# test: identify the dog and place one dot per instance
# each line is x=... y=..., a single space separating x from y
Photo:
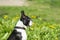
x=19 y=32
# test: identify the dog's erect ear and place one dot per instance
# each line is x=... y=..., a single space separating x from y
x=22 y=14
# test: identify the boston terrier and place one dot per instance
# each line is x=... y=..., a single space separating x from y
x=19 y=32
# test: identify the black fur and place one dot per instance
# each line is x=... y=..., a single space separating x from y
x=15 y=36
x=25 y=19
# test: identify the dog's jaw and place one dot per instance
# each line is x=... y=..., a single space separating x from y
x=20 y=24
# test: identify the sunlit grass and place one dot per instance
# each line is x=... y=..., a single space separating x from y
x=46 y=21
x=40 y=30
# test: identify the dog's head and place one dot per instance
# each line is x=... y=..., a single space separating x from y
x=25 y=19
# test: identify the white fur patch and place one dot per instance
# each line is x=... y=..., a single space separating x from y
x=30 y=23
x=20 y=24
x=23 y=33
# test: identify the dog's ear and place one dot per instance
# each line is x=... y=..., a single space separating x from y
x=22 y=14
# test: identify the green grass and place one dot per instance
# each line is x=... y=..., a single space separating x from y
x=46 y=19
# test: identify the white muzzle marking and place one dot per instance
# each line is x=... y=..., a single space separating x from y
x=30 y=23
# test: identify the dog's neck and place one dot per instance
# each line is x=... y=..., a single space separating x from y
x=20 y=24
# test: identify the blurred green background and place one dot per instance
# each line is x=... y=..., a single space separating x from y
x=44 y=13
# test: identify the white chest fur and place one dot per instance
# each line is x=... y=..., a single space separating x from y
x=23 y=33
